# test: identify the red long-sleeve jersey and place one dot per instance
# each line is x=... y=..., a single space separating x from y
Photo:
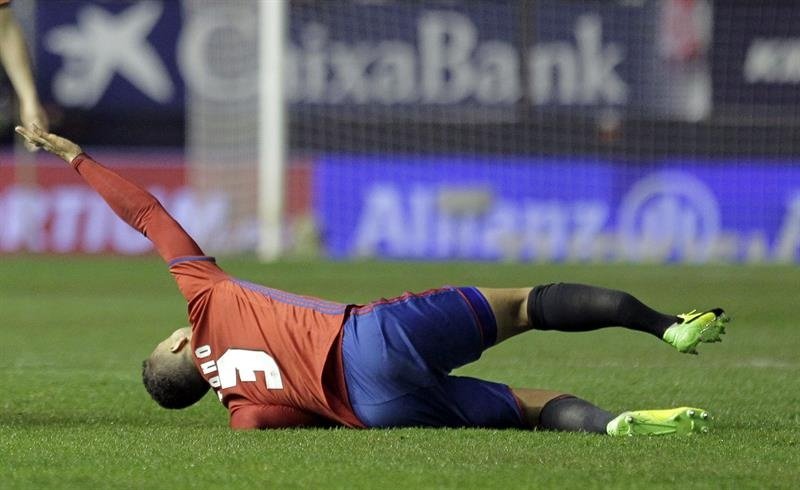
x=274 y=358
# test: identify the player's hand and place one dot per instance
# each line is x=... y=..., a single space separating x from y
x=61 y=147
x=30 y=115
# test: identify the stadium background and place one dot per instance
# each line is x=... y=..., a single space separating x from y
x=535 y=131
x=642 y=145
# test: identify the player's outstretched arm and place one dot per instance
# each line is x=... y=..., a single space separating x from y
x=134 y=205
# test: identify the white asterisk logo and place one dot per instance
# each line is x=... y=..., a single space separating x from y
x=103 y=44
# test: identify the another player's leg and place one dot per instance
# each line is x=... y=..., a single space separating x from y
x=579 y=308
x=549 y=410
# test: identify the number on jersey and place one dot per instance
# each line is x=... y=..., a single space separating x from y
x=244 y=362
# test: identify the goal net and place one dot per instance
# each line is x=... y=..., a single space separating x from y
x=548 y=130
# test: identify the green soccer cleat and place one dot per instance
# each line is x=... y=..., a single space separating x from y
x=695 y=328
x=682 y=421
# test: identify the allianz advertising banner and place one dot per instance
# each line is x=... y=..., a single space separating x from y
x=449 y=208
x=558 y=209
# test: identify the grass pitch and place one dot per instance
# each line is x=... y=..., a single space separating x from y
x=73 y=413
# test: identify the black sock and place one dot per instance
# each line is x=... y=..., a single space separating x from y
x=579 y=308
x=573 y=414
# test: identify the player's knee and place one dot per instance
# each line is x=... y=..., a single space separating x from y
x=521 y=308
x=534 y=313
x=509 y=307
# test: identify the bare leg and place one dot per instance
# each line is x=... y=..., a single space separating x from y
x=533 y=400
x=510 y=307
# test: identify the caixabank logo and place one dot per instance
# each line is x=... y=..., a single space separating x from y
x=102 y=45
x=102 y=54
x=109 y=55
x=446 y=59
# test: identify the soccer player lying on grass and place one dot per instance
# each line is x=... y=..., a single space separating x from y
x=276 y=359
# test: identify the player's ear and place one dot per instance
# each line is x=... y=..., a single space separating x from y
x=180 y=338
x=179 y=344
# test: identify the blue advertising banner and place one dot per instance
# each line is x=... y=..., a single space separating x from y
x=142 y=56
x=755 y=56
x=558 y=209
x=586 y=53
x=548 y=54
x=110 y=57
x=405 y=53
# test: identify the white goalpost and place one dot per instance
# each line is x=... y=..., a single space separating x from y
x=272 y=133
x=232 y=58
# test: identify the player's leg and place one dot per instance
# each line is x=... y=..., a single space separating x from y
x=571 y=308
x=579 y=307
x=509 y=306
x=532 y=401
x=555 y=410
x=552 y=410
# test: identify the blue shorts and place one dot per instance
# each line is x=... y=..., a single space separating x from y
x=398 y=354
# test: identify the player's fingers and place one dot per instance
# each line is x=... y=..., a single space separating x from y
x=33 y=139
x=41 y=132
x=50 y=140
x=31 y=147
x=21 y=131
x=29 y=135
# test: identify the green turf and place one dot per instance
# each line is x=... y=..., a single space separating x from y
x=74 y=414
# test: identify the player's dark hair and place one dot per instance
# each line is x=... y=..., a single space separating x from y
x=176 y=386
